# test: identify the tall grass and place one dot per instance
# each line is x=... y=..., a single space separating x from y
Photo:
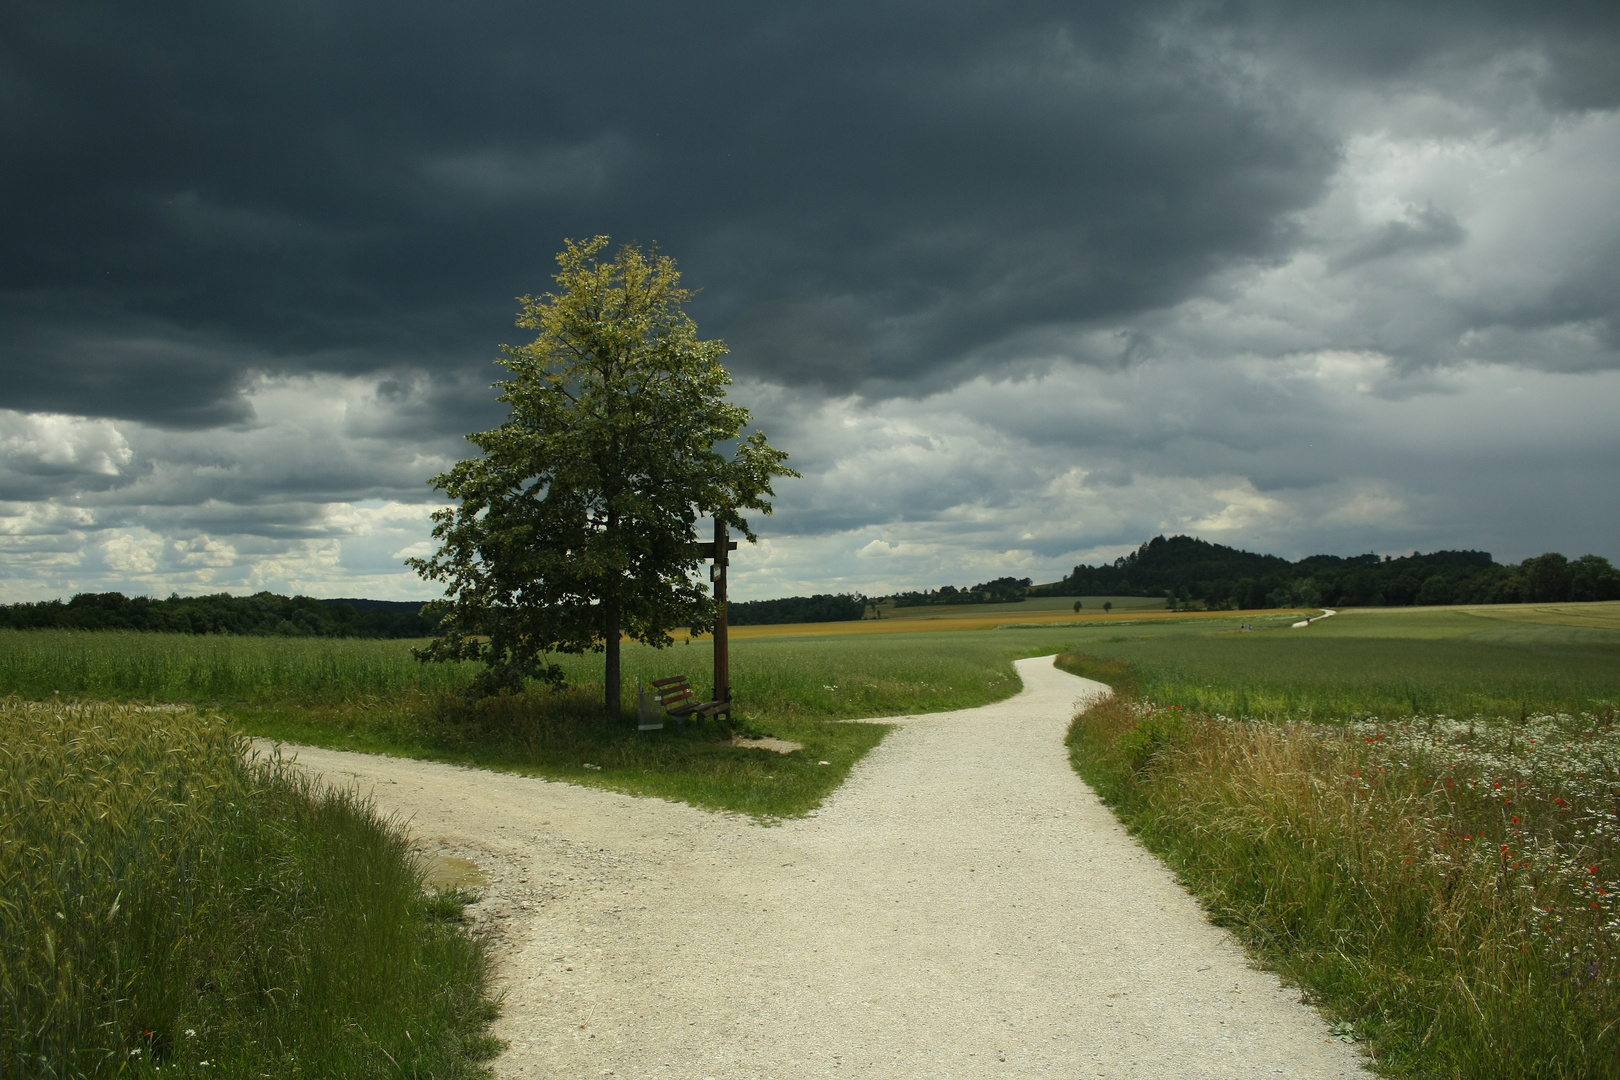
x=166 y=902
x=1446 y=887
x=784 y=676
x=213 y=668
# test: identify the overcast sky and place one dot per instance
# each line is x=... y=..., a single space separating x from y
x=1018 y=285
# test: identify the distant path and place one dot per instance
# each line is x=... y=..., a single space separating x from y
x=962 y=907
x=1327 y=613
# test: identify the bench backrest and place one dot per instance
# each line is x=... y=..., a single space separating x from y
x=672 y=691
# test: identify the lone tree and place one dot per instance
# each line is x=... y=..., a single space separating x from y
x=577 y=524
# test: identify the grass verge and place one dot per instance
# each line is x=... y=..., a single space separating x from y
x=171 y=906
x=1444 y=887
x=562 y=736
x=372 y=696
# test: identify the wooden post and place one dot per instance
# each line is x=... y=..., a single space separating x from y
x=722 y=645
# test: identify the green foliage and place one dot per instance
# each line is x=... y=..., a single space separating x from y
x=170 y=905
x=1003 y=590
x=823 y=607
x=262 y=614
x=1223 y=577
x=577 y=523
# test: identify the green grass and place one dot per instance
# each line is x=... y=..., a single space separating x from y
x=1416 y=816
x=127 y=665
x=1361 y=664
x=171 y=906
x=372 y=696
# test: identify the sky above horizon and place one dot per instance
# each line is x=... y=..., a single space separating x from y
x=1017 y=285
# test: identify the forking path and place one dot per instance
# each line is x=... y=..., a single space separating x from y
x=963 y=906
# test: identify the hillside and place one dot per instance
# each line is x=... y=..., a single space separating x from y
x=1224 y=577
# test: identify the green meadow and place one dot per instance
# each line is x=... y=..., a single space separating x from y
x=1413 y=815
x=1410 y=814
x=373 y=696
x=1382 y=662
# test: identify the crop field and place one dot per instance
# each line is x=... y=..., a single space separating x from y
x=1454 y=662
x=171 y=906
x=1415 y=815
x=373 y=696
x=1054 y=611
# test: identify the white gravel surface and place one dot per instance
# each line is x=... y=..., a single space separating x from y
x=962 y=907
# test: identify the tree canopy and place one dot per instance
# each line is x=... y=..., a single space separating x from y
x=577 y=523
x=1227 y=577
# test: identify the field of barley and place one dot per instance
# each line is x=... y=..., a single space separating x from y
x=172 y=905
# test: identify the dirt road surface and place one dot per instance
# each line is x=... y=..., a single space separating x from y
x=962 y=907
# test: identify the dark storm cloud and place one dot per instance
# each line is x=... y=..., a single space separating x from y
x=871 y=196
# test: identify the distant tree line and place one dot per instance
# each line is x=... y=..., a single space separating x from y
x=1181 y=569
x=823 y=607
x=262 y=614
x=1195 y=571
x=1004 y=590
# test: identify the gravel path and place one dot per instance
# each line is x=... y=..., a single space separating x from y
x=962 y=907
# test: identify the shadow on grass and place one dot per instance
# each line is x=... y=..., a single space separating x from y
x=563 y=736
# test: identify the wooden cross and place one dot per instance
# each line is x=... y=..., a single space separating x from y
x=718 y=553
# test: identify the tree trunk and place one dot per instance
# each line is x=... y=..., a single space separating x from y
x=611 y=705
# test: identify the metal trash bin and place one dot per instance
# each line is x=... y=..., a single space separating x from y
x=649 y=711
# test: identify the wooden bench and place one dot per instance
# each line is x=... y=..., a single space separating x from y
x=676 y=696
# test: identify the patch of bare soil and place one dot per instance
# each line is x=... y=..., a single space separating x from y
x=766 y=742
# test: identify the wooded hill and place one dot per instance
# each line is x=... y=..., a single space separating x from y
x=1222 y=577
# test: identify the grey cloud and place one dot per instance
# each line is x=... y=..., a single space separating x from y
x=1425 y=229
x=958 y=252
x=544 y=173
x=355 y=189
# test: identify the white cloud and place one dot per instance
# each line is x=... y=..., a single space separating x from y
x=49 y=444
